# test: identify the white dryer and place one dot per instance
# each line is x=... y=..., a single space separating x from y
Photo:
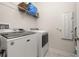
x=42 y=42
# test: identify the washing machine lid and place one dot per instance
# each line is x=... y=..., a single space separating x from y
x=11 y=35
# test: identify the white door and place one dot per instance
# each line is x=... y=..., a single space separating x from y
x=68 y=25
x=22 y=47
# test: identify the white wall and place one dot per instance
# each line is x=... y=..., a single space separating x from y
x=51 y=18
x=10 y=14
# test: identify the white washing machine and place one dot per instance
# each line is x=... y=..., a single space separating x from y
x=19 y=44
x=42 y=42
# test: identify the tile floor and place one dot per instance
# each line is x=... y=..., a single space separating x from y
x=58 y=53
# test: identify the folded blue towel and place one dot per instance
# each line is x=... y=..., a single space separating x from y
x=31 y=9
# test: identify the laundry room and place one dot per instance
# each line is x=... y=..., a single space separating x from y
x=39 y=29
